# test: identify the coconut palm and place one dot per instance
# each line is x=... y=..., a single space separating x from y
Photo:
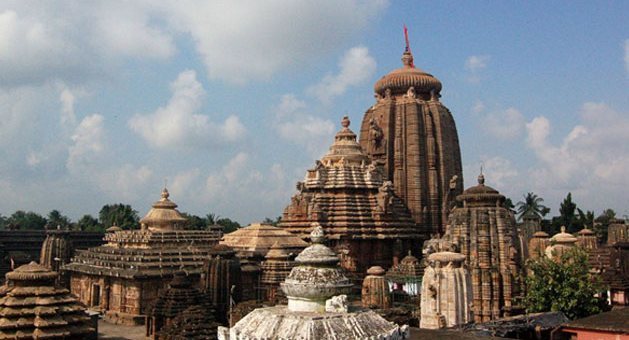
x=532 y=206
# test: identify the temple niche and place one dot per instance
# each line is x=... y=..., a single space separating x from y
x=122 y=278
x=483 y=230
x=413 y=137
x=346 y=194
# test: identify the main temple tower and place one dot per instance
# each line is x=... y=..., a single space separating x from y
x=412 y=135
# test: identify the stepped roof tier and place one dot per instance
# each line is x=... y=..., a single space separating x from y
x=257 y=239
x=315 y=309
x=346 y=194
x=159 y=249
x=33 y=307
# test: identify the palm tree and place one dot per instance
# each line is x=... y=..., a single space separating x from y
x=532 y=206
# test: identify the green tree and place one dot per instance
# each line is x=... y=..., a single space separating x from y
x=27 y=220
x=228 y=225
x=211 y=219
x=567 y=216
x=273 y=222
x=194 y=222
x=532 y=205
x=585 y=219
x=3 y=222
x=121 y=214
x=601 y=224
x=89 y=223
x=56 y=219
x=564 y=285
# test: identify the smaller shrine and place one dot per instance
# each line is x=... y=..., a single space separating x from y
x=32 y=306
x=618 y=231
x=317 y=305
x=57 y=251
x=446 y=295
x=406 y=276
x=194 y=323
x=586 y=239
x=275 y=268
x=122 y=278
x=221 y=279
x=375 y=293
x=179 y=295
x=560 y=243
x=538 y=244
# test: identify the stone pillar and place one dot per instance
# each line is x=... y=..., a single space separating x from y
x=446 y=292
x=375 y=292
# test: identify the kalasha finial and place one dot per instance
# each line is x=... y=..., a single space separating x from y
x=563 y=228
x=165 y=193
x=345 y=122
x=317 y=235
x=481 y=178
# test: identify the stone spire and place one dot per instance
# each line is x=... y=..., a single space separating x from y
x=345 y=150
x=316 y=277
x=163 y=215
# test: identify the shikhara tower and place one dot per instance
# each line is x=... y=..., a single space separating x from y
x=412 y=135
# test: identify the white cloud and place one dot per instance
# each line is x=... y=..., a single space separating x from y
x=87 y=142
x=239 y=41
x=590 y=161
x=296 y=126
x=178 y=125
x=507 y=124
x=475 y=64
x=51 y=42
x=355 y=67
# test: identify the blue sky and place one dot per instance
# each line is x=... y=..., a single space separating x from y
x=231 y=102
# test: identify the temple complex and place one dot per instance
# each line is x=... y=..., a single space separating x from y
x=122 y=277
x=483 y=230
x=179 y=296
x=32 y=306
x=413 y=137
x=346 y=194
x=317 y=305
x=446 y=296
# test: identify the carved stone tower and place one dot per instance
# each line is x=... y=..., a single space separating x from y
x=412 y=135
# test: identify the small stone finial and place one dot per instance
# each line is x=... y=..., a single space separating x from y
x=317 y=235
x=345 y=122
x=481 y=177
x=563 y=228
x=165 y=193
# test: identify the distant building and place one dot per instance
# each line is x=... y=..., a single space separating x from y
x=612 y=325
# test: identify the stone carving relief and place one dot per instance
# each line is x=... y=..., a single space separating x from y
x=377 y=143
x=337 y=304
x=385 y=196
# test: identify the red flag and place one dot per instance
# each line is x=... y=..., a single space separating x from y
x=408 y=45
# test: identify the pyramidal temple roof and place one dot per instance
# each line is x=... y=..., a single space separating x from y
x=258 y=239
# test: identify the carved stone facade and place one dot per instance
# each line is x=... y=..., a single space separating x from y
x=32 y=306
x=222 y=279
x=446 y=296
x=538 y=244
x=57 y=251
x=123 y=277
x=618 y=231
x=345 y=194
x=586 y=239
x=413 y=137
x=483 y=230
x=194 y=323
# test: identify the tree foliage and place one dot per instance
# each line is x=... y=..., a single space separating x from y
x=195 y=222
x=26 y=221
x=531 y=206
x=601 y=224
x=56 y=219
x=121 y=214
x=228 y=225
x=565 y=285
x=89 y=223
